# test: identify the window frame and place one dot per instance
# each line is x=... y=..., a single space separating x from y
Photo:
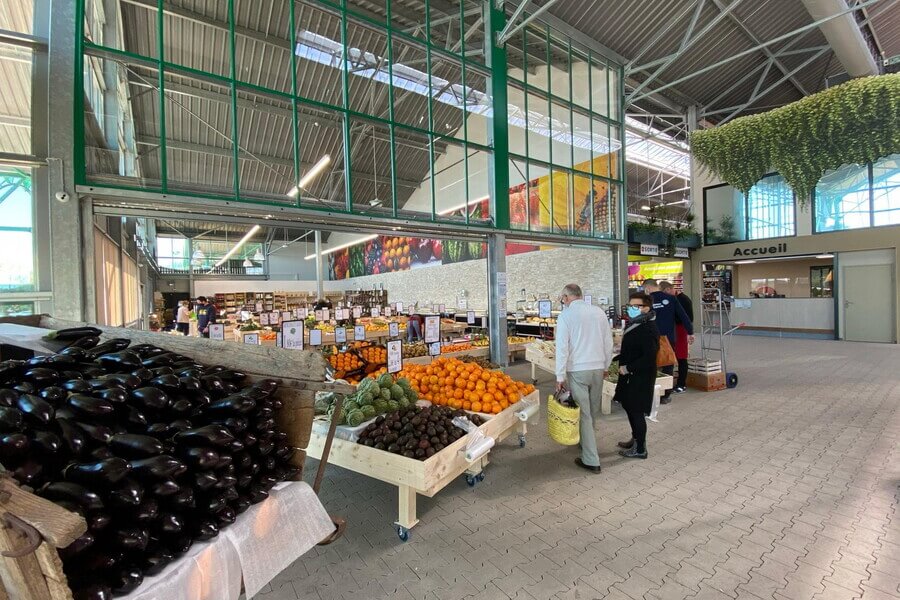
x=746 y=199
x=870 y=173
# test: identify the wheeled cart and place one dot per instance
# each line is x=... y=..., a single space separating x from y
x=426 y=477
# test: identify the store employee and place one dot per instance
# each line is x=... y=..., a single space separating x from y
x=667 y=308
x=206 y=315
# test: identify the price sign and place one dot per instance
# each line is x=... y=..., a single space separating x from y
x=318 y=315
x=326 y=314
x=442 y=308
x=357 y=312
x=292 y=335
x=217 y=331
x=434 y=308
x=302 y=313
x=340 y=335
x=259 y=307
x=589 y=299
x=274 y=318
x=278 y=339
x=394 y=356
x=462 y=304
x=544 y=307
x=285 y=315
x=252 y=339
x=376 y=312
x=470 y=317
x=411 y=310
x=432 y=329
x=359 y=333
x=387 y=311
x=399 y=307
x=394 y=329
x=434 y=349
x=264 y=318
x=315 y=337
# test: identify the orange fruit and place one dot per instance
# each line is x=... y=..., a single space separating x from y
x=487 y=398
x=476 y=406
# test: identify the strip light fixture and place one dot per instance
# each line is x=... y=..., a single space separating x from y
x=343 y=246
x=237 y=246
x=310 y=175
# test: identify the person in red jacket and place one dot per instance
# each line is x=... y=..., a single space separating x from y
x=682 y=350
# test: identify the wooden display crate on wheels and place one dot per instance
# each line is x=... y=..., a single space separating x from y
x=32 y=528
x=426 y=477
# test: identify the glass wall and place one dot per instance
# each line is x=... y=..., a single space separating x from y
x=174 y=256
x=376 y=108
x=766 y=211
x=859 y=196
x=17 y=272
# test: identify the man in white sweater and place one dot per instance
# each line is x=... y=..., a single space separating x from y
x=584 y=349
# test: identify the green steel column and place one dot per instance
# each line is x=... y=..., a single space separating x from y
x=160 y=39
x=500 y=124
x=295 y=125
x=234 y=110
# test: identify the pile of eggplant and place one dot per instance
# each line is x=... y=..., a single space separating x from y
x=155 y=450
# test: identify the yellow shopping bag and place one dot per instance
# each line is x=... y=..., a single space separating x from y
x=562 y=422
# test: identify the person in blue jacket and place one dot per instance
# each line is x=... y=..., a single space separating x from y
x=206 y=315
x=667 y=308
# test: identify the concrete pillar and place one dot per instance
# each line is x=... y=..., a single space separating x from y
x=320 y=293
x=497 y=288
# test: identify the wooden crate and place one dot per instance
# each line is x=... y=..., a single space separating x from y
x=708 y=382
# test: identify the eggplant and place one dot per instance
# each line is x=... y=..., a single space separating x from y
x=29 y=473
x=90 y=407
x=66 y=413
x=233 y=376
x=204 y=480
x=209 y=435
x=66 y=490
x=266 y=386
x=77 y=353
x=72 y=333
x=165 y=488
x=105 y=473
x=121 y=380
x=162 y=466
x=226 y=481
x=126 y=580
x=135 y=419
x=180 y=544
x=93 y=591
x=264 y=447
x=98 y=521
x=234 y=404
x=125 y=360
x=181 y=407
x=236 y=425
x=99 y=433
x=12 y=420
x=150 y=398
x=199 y=457
x=183 y=500
x=101 y=453
x=130 y=538
x=212 y=384
x=11 y=370
x=78 y=546
x=25 y=387
x=267 y=481
x=244 y=480
x=230 y=494
x=225 y=460
x=257 y=493
x=192 y=372
x=147 y=512
x=241 y=504
x=267 y=463
x=143 y=373
x=71 y=435
x=156 y=560
x=128 y=493
x=42 y=376
x=53 y=394
x=78 y=386
x=132 y=445
x=226 y=516
x=189 y=383
x=170 y=523
x=109 y=346
x=8 y=398
x=205 y=530
x=14 y=445
x=147 y=350
x=265 y=412
x=160 y=360
x=114 y=395
x=166 y=381
x=92 y=562
x=162 y=371
x=264 y=424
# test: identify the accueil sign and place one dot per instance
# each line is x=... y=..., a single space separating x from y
x=760 y=250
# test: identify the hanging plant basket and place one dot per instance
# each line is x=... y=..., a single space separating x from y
x=853 y=123
x=690 y=240
x=647 y=236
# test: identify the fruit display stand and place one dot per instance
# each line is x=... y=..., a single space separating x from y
x=665 y=382
x=426 y=477
x=35 y=528
x=473 y=352
x=539 y=360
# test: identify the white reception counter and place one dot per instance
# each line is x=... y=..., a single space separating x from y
x=802 y=315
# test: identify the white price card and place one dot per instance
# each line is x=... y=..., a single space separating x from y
x=285 y=315
x=318 y=314
x=387 y=311
x=462 y=304
x=340 y=335
x=442 y=308
x=217 y=331
x=434 y=308
x=259 y=307
x=315 y=337
x=589 y=299
x=357 y=312
x=376 y=312
x=501 y=283
x=274 y=318
x=432 y=329
x=251 y=338
x=470 y=317
x=411 y=310
x=434 y=349
x=394 y=356
x=326 y=314
x=302 y=313
x=544 y=307
x=264 y=318
x=399 y=307
x=292 y=335
x=359 y=333
x=394 y=329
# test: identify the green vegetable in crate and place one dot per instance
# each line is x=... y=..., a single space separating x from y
x=393 y=405
x=366 y=398
x=368 y=386
x=402 y=403
x=355 y=418
x=386 y=393
x=369 y=411
x=381 y=406
x=386 y=380
x=324 y=401
x=412 y=395
x=397 y=392
x=403 y=382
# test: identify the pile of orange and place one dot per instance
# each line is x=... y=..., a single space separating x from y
x=345 y=361
x=461 y=347
x=457 y=384
x=374 y=355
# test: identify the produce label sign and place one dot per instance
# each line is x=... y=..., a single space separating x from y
x=394 y=356
x=318 y=314
x=252 y=339
x=302 y=313
x=544 y=308
x=315 y=337
x=274 y=318
x=326 y=314
x=292 y=335
x=217 y=331
x=399 y=307
x=340 y=335
x=442 y=308
x=359 y=333
x=376 y=312
x=285 y=315
x=357 y=312
x=462 y=304
x=387 y=311
x=394 y=329
x=434 y=349
x=259 y=307
x=432 y=329
x=264 y=318
x=470 y=317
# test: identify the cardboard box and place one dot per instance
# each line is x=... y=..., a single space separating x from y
x=708 y=382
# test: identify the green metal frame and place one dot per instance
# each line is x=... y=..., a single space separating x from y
x=494 y=70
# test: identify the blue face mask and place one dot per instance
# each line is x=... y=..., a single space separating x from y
x=634 y=311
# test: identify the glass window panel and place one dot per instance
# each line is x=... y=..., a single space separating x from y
x=723 y=208
x=581 y=82
x=562 y=135
x=473 y=30
x=561 y=221
x=410 y=18
x=583 y=201
x=320 y=140
x=16 y=238
x=413 y=159
x=447 y=106
x=20 y=16
x=479 y=188
x=515 y=56
x=518 y=120
x=600 y=149
x=371 y=189
x=320 y=54
x=104 y=28
x=450 y=181
x=886 y=191
x=411 y=84
x=199 y=137
x=536 y=58
x=519 y=209
x=770 y=209
x=375 y=10
x=559 y=74
x=599 y=89
x=613 y=92
x=539 y=196
x=15 y=105
x=199 y=44
x=445 y=24
x=606 y=208
x=367 y=63
x=842 y=199
x=582 y=142
x=16 y=309
x=539 y=127
x=266 y=135
x=263 y=63
x=478 y=107
x=821 y=281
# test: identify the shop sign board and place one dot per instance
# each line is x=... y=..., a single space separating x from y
x=462 y=304
x=394 y=329
x=470 y=317
x=760 y=250
x=432 y=329
x=292 y=335
x=274 y=318
x=650 y=249
x=217 y=331
x=359 y=333
x=302 y=313
x=259 y=307
x=394 y=356
x=340 y=335
x=315 y=337
x=252 y=339
x=681 y=253
x=544 y=308
x=263 y=318
x=434 y=349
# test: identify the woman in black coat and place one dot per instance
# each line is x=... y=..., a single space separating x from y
x=637 y=371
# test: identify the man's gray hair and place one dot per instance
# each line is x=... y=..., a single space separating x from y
x=573 y=290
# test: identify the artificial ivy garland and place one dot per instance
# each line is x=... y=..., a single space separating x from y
x=856 y=122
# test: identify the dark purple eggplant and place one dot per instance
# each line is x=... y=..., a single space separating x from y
x=267 y=481
x=8 y=398
x=101 y=453
x=135 y=419
x=122 y=380
x=253 y=469
x=66 y=413
x=241 y=504
x=90 y=407
x=29 y=473
x=99 y=433
x=199 y=457
x=264 y=412
x=257 y=493
x=209 y=435
x=181 y=407
x=204 y=480
x=53 y=394
x=166 y=381
x=226 y=516
x=162 y=466
x=98 y=521
x=14 y=445
x=170 y=523
x=79 y=386
x=233 y=376
x=11 y=369
x=229 y=388
x=230 y=494
x=73 y=333
x=236 y=425
x=267 y=386
x=157 y=560
x=93 y=591
x=193 y=372
x=12 y=420
x=204 y=529
x=104 y=473
x=91 y=562
x=225 y=460
x=160 y=360
x=143 y=373
x=128 y=493
x=268 y=462
x=123 y=361
x=180 y=544
x=71 y=375
x=66 y=490
x=263 y=424
x=114 y=395
x=244 y=480
x=212 y=384
x=147 y=512
x=75 y=352
x=264 y=447
x=162 y=371
x=241 y=460
x=165 y=488
x=78 y=546
x=42 y=376
x=150 y=398
x=231 y=405
x=189 y=383
x=126 y=580
x=130 y=538
x=113 y=345
x=226 y=481
x=159 y=430
x=183 y=500
x=25 y=387
x=71 y=435
x=147 y=350
x=132 y=445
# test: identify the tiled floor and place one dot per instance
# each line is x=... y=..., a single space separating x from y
x=785 y=487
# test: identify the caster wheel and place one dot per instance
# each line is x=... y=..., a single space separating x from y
x=521 y=441
x=470 y=479
x=480 y=477
x=731 y=380
x=403 y=533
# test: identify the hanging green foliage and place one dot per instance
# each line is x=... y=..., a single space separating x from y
x=853 y=123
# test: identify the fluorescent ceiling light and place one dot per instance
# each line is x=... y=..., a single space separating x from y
x=823 y=256
x=310 y=175
x=247 y=263
x=237 y=246
x=447 y=211
x=258 y=257
x=744 y=262
x=342 y=246
x=198 y=254
x=645 y=207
